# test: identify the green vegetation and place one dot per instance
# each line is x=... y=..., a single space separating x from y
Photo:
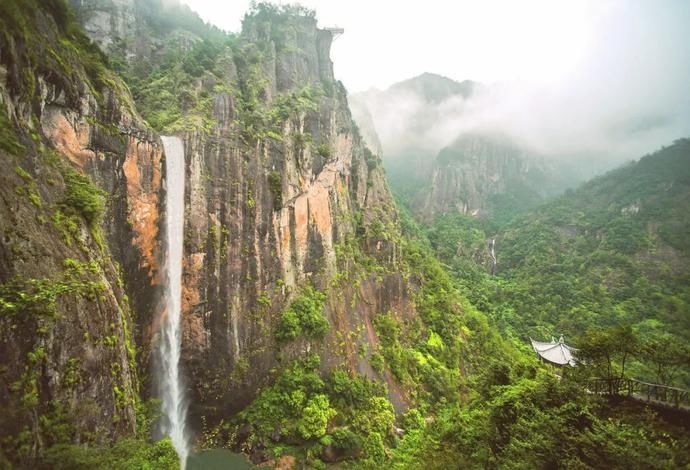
x=276 y=187
x=177 y=92
x=8 y=137
x=54 y=47
x=22 y=297
x=170 y=96
x=125 y=455
x=604 y=256
x=82 y=197
x=525 y=418
x=324 y=150
x=29 y=188
x=305 y=317
x=132 y=452
x=316 y=418
x=516 y=412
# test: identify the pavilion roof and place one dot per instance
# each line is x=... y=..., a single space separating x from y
x=556 y=352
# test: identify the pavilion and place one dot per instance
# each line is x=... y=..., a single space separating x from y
x=555 y=352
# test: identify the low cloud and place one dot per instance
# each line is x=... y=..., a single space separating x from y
x=629 y=96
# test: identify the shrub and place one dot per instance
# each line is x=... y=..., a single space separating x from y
x=289 y=327
x=373 y=448
x=294 y=406
x=376 y=362
x=82 y=197
x=346 y=441
x=304 y=317
x=8 y=137
x=315 y=417
x=324 y=150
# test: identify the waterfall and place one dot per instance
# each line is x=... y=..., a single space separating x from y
x=173 y=401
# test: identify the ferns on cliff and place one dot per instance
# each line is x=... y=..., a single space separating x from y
x=43 y=39
x=82 y=197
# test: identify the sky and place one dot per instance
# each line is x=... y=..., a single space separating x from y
x=542 y=41
x=386 y=41
x=594 y=73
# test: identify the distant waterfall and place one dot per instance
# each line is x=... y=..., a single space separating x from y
x=492 y=254
x=174 y=403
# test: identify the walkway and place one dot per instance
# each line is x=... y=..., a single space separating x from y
x=643 y=391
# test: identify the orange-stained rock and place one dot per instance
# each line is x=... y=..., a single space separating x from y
x=301 y=222
x=67 y=140
x=286 y=462
x=142 y=201
x=194 y=334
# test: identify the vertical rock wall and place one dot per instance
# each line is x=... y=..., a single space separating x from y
x=75 y=278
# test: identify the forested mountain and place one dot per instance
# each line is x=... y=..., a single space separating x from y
x=488 y=176
x=313 y=322
x=612 y=252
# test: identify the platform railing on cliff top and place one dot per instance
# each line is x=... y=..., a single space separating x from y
x=662 y=394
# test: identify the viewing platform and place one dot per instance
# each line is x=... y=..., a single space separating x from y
x=335 y=31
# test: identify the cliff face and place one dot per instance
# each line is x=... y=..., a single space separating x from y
x=281 y=194
x=268 y=216
x=282 y=200
x=480 y=174
x=79 y=210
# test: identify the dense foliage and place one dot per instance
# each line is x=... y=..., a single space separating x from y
x=606 y=265
x=614 y=236
x=176 y=94
x=338 y=416
x=606 y=255
x=303 y=317
x=530 y=419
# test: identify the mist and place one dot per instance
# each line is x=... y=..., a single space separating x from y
x=627 y=96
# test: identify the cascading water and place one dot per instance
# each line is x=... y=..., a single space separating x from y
x=173 y=402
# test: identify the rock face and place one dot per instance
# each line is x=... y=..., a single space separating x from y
x=281 y=193
x=79 y=253
x=268 y=216
x=478 y=172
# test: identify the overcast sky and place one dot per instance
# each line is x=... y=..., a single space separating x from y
x=541 y=41
x=389 y=40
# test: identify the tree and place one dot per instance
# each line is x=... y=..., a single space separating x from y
x=666 y=354
x=315 y=416
x=607 y=351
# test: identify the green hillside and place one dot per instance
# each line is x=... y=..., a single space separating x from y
x=613 y=253
x=244 y=290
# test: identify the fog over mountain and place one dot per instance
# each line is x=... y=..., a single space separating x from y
x=627 y=97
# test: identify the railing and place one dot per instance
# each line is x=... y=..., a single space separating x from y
x=639 y=390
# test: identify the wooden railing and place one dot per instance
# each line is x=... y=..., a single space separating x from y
x=665 y=394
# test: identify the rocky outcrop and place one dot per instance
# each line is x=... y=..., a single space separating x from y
x=79 y=254
x=268 y=216
x=281 y=193
x=480 y=171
